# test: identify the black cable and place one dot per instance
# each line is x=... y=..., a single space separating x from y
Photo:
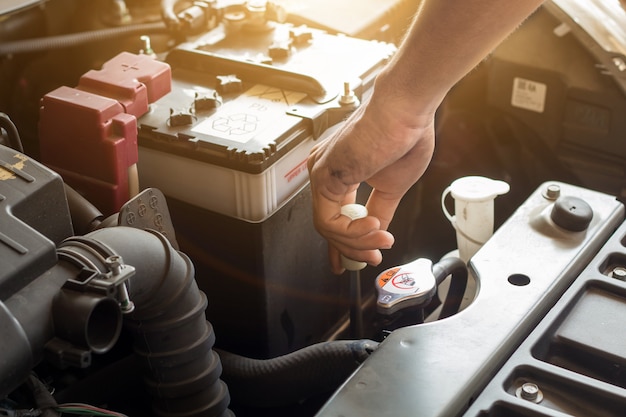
x=43 y=398
x=76 y=39
x=294 y=377
x=458 y=283
x=12 y=133
x=85 y=216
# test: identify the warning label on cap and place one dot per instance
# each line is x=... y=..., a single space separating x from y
x=528 y=95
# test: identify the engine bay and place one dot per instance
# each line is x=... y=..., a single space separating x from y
x=157 y=244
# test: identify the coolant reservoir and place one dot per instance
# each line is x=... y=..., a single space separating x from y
x=473 y=208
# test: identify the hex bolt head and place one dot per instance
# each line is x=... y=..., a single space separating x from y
x=114 y=263
x=530 y=392
x=619 y=272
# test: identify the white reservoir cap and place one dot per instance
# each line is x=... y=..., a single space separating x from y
x=476 y=188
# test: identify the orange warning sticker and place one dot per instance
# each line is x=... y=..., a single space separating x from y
x=386 y=276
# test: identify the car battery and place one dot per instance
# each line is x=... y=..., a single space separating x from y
x=228 y=148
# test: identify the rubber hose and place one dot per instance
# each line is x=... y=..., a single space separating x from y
x=85 y=216
x=171 y=337
x=458 y=283
x=76 y=39
x=291 y=378
x=12 y=133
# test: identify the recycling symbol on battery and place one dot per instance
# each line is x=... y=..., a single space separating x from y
x=236 y=124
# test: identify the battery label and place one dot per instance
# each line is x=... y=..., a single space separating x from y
x=243 y=118
x=529 y=95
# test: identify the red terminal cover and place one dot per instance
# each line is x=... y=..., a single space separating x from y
x=88 y=134
x=133 y=80
x=91 y=143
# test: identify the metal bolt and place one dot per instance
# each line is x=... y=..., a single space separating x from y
x=126 y=304
x=530 y=392
x=147 y=47
x=552 y=192
x=619 y=272
x=114 y=263
x=348 y=98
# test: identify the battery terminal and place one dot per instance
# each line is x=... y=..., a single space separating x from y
x=348 y=98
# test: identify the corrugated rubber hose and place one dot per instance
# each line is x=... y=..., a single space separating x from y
x=286 y=380
x=171 y=337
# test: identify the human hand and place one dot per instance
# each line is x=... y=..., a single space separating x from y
x=389 y=141
x=383 y=146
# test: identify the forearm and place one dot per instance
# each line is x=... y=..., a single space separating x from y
x=388 y=142
x=447 y=39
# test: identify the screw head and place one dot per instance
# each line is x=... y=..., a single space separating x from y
x=530 y=392
x=619 y=272
x=114 y=263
